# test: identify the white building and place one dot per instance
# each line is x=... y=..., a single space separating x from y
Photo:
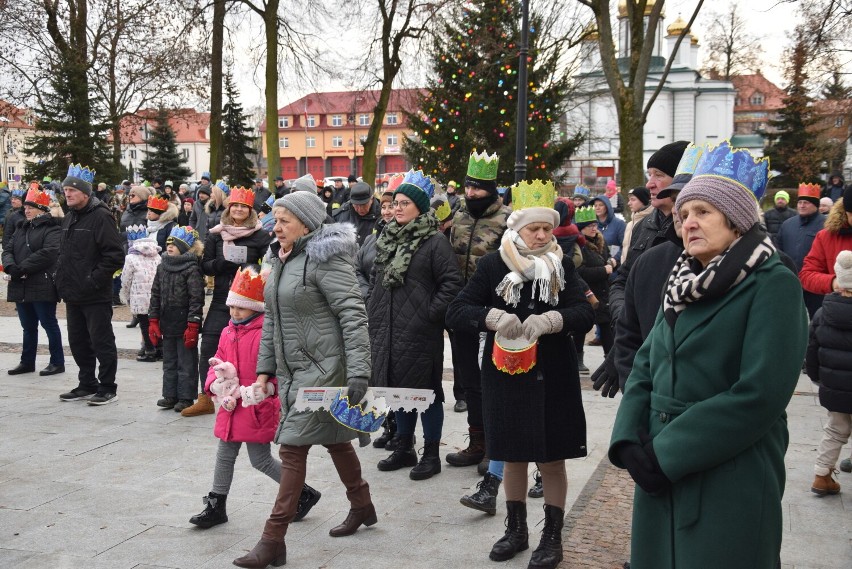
x=16 y=125
x=689 y=107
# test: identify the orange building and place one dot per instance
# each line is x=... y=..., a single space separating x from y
x=323 y=133
x=758 y=101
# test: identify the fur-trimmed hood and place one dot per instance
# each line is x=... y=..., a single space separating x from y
x=170 y=214
x=332 y=239
x=836 y=218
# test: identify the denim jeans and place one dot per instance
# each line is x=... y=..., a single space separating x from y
x=31 y=314
x=495 y=468
x=432 y=419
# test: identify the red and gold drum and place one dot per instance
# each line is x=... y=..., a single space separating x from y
x=514 y=356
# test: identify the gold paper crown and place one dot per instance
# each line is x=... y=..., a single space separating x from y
x=537 y=193
x=443 y=209
x=482 y=166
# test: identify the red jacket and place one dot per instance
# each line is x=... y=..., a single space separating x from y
x=239 y=345
x=817 y=272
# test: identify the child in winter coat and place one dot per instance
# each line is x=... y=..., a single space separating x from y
x=137 y=278
x=249 y=421
x=829 y=363
x=177 y=303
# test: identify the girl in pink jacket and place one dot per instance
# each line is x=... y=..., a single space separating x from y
x=250 y=422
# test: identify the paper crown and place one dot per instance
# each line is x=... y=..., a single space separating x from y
x=270 y=200
x=223 y=186
x=582 y=214
x=735 y=165
x=366 y=417
x=158 y=203
x=537 y=193
x=242 y=195
x=395 y=182
x=82 y=172
x=483 y=167
x=248 y=284
x=419 y=180
x=691 y=156
x=578 y=191
x=38 y=198
x=136 y=232
x=185 y=234
x=809 y=191
x=18 y=194
x=442 y=208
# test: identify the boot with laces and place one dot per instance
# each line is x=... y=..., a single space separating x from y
x=485 y=497
x=516 y=538
x=548 y=554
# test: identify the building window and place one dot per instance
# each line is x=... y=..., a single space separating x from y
x=738 y=102
x=336 y=120
x=133 y=155
x=283 y=142
x=364 y=120
x=10 y=174
x=312 y=121
x=393 y=118
x=283 y=122
x=393 y=140
x=838 y=122
x=756 y=99
x=337 y=142
x=185 y=153
x=311 y=142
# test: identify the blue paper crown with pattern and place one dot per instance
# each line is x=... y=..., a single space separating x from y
x=223 y=186
x=136 y=232
x=82 y=172
x=19 y=193
x=270 y=200
x=582 y=191
x=419 y=180
x=690 y=159
x=183 y=233
x=355 y=417
x=735 y=165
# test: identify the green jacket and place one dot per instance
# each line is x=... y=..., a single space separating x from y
x=312 y=303
x=712 y=392
x=473 y=238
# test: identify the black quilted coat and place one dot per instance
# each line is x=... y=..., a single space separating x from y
x=829 y=357
x=33 y=249
x=407 y=322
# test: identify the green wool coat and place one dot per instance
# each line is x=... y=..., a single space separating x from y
x=315 y=330
x=712 y=392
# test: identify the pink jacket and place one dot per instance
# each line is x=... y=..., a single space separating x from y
x=255 y=424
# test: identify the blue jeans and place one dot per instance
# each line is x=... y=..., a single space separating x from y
x=432 y=419
x=495 y=468
x=31 y=314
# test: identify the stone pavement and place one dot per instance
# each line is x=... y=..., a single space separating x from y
x=113 y=487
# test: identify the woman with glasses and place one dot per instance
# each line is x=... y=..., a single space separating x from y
x=413 y=281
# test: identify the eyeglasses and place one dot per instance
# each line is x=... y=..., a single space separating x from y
x=403 y=204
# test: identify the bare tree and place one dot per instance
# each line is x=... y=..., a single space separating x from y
x=731 y=49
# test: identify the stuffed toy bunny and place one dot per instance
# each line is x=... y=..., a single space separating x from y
x=254 y=393
x=226 y=386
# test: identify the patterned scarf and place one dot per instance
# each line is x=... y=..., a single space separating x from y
x=397 y=244
x=723 y=273
x=234 y=232
x=542 y=266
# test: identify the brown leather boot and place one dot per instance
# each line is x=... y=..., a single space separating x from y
x=361 y=511
x=265 y=553
x=825 y=485
x=356 y=518
x=204 y=406
x=474 y=453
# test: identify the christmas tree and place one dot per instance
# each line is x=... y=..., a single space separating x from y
x=162 y=159
x=237 y=167
x=471 y=99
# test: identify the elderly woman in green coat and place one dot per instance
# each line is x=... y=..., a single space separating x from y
x=314 y=335
x=702 y=428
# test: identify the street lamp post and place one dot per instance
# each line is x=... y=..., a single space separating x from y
x=4 y=170
x=521 y=138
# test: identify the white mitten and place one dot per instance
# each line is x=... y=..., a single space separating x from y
x=255 y=393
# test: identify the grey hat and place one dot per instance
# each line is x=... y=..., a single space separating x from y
x=735 y=202
x=304 y=184
x=306 y=206
x=361 y=193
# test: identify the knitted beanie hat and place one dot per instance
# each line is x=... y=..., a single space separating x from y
x=668 y=157
x=306 y=206
x=417 y=195
x=520 y=218
x=781 y=194
x=142 y=191
x=843 y=270
x=642 y=194
x=735 y=203
x=304 y=184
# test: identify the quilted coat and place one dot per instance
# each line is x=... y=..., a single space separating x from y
x=137 y=277
x=239 y=344
x=829 y=357
x=177 y=295
x=33 y=249
x=407 y=322
x=315 y=331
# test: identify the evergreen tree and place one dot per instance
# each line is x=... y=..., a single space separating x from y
x=162 y=159
x=471 y=100
x=834 y=89
x=236 y=143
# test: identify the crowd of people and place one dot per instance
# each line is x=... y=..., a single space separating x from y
x=349 y=287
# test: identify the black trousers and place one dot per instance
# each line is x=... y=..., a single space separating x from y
x=180 y=369
x=90 y=338
x=466 y=365
x=458 y=388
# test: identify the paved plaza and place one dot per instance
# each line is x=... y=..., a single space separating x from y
x=113 y=487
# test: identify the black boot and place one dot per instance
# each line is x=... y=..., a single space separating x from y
x=430 y=462
x=548 y=554
x=133 y=322
x=214 y=514
x=387 y=434
x=580 y=366
x=403 y=456
x=307 y=500
x=485 y=497
x=516 y=537
x=537 y=491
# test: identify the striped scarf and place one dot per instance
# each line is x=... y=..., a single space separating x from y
x=724 y=272
x=541 y=266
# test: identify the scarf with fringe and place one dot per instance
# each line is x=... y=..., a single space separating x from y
x=542 y=266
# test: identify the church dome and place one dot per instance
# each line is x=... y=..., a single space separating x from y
x=676 y=27
x=591 y=32
x=622 y=8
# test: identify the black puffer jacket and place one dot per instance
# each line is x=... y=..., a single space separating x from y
x=406 y=323
x=829 y=357
x=32 y=253
x=364 y=225
x=213 y=262
x=135 y=214
x=593 y=273
x=775 y=217
x=177 y=295
x=14 y=218
x=91 y=250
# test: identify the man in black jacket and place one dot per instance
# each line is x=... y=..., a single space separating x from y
x=90 y=251
x=261 y=194
x=362 y=210
x=778 y=214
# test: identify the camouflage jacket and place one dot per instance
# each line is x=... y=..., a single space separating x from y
x=473 y=238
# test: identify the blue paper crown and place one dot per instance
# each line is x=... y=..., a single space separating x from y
x=223 y=186
x=270 y=200
x=736 y=165
x=136 y=232
x=183 y=233
x=82 y=172
x=19 y=193
x=418 y=179
x=582 y=190
x=691 y=156
x=355 y=417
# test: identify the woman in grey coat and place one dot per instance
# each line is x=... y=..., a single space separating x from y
x=314 y=335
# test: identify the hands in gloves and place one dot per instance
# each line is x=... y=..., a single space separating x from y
x=537 y=325
x=506 y=324
x=190 y=335
x=154 y=333
x=357 y=388
x=605 y=378
x=641 y=462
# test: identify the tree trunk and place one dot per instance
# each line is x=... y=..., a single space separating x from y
x=273 y=153
x=218 y=33
x=368 y=173
x=631 y=148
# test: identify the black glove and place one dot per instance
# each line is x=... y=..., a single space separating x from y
x=357 y=389
x=13 y=271
x=605 y=378
x=641 y=467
